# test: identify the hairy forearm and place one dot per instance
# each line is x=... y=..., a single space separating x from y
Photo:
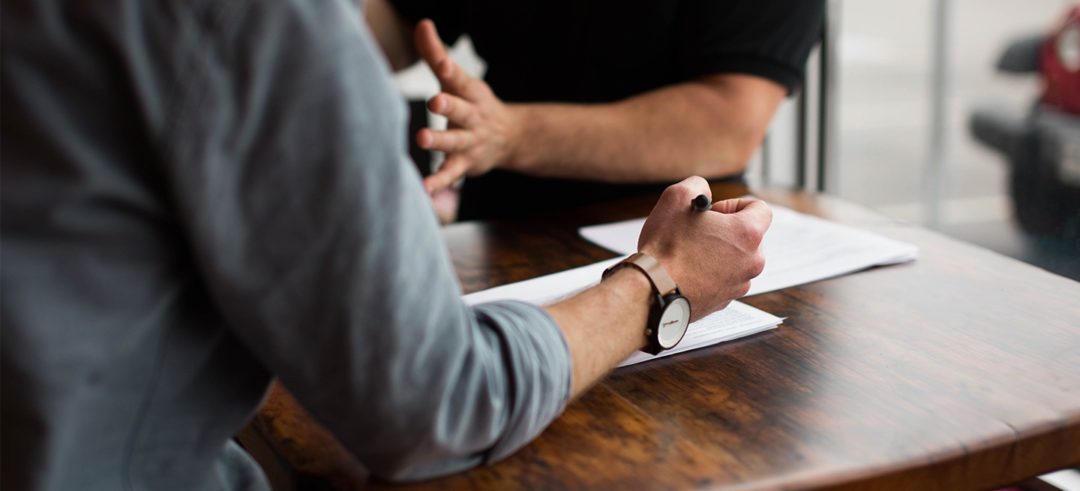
x=603 y=325
x=707 y=127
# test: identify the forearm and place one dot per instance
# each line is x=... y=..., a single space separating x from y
x=603 y=325
x=504 y=383
x=707 y=127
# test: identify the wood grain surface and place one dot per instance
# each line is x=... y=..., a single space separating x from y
x=960 y=370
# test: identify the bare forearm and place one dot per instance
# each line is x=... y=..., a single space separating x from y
x=707 y=128
x=603 y=325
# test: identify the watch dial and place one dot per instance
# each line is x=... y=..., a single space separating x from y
x=673 y=322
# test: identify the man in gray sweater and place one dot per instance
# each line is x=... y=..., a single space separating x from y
x=199 y=196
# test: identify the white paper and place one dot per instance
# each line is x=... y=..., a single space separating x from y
x=545 y=289
x=798 y=248
x=734 y=322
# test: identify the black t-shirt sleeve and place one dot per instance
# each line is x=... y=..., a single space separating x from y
x=767 y=38
x=448 y=15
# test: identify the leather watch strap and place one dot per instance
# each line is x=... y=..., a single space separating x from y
x=653 y=270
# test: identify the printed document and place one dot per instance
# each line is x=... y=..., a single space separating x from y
x=798 y=248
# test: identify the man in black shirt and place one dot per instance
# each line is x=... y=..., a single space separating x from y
x=585 y=101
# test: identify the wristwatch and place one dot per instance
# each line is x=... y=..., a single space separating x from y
x=669 y=314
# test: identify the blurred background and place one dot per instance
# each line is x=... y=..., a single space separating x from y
x=886 y=119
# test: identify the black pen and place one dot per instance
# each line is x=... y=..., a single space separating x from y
x=700 y=203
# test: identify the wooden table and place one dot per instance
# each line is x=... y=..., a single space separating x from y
x=958 y=371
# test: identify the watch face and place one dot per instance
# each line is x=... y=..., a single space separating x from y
x=673 y=322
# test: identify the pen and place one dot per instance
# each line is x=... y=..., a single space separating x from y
x=700 y=203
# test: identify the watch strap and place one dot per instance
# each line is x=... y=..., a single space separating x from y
x=654 y=271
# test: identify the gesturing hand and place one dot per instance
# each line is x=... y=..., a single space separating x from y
x=481 y=130
x=711 y=255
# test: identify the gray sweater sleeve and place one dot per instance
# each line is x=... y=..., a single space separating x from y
x=311 y=230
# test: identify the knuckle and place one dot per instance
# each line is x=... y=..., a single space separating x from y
x=456 y=167
x=743 y=289
x=767 y=210
x=438 y=103
x=752 y=233
x=757 y=234
x=742 y=236
x=696 y=182
x=679 y=191
x=463 y=111
x=757 y=264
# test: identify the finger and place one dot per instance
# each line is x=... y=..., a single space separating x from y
x=445 y=202
x=696 y=184
x=756 y=217
x=757 y=265
x=454 y=80
x=754 y=210
x=456 y=109
x=433 y=51
x=428 y=44
x=682 y=193
x=732 y=205
x=452 y=169
x=445 y=141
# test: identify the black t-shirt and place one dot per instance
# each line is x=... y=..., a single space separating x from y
x=607 y=50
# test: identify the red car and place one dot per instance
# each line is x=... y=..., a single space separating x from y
x=1043 y=147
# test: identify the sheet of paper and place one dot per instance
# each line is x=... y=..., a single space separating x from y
x=798 y=248
x=734 y=322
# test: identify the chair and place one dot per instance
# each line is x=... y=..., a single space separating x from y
x=800 y=149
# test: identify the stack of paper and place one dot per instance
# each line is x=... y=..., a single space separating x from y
x=736 y=321
x=798 y=248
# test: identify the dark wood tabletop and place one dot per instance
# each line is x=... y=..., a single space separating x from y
x=960 y=370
